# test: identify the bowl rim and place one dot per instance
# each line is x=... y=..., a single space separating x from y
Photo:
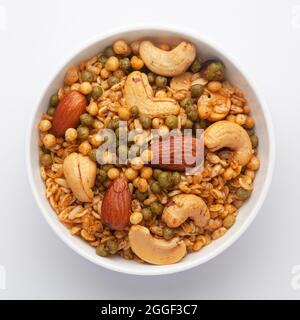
x=173 y=268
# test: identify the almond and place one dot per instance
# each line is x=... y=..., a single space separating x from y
x=115 y=212
x=67 y=113
x=177 y=153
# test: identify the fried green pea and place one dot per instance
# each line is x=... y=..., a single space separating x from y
x=161 y=82
x=140 y=195
x=171 y=122
x=147 y=214
x=168 y=233
x=189 y=124
x=92 y=155
x=145 y=121
x=164 y=180
x=108 y=52
x=101 y=175
x=134 y=110
x=54 y=100
x=197 y=90
x=175 y=177
x=111 y=81
x=86 y=76
x=156 y=207
x=51 y=111
x=46 y=160
x=101 y=250
x=155 y=187
x=151 y=77
x=243 y=194
x=156 y=173
x=196 y=65
x=83 y=132
x=125 y=64
x=186 y=102
x=112 y=246
x=97 y=92
x=86 y=120
x=254 y=140
x=213 y=70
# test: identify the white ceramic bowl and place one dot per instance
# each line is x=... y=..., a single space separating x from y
x=263 y=127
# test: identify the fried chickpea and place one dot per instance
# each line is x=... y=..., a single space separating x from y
x=163 y=131
x=92 y=108
x=121 y=47
x=119 y=74
x=156 y=122
x=240 y=119
x=49 y=140
x=136 y=218
x=131 y=174
x=85 y=88
x=46 y=159
x=71 y=134
x=137 y=163
x=105 y=74
x=253 y=164
x=96 y=140
x=147 y=156
x=229 y=173
x=135 y=47
x=247 y=109
x=136 y=63
x=146 y=172
x=45 y=125
x=124 y=113
x=201 y=241
x=214 y=86
x=249 y=124
x=75 y=86
x=218 y=233
x=231 y=118
x=112 y=64
x=250 y=174
x=85 y=148
x=229 y=221
x=142 y=185
x=113 y=173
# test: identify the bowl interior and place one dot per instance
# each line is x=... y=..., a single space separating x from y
x=246 y=213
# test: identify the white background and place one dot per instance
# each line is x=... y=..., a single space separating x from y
x=36 y=36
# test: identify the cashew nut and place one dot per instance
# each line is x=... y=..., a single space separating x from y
x=138 y=92
x=213 y=107
x=226 y=134
x=184 y=206
x=153 y=250
x=168 y=63
x=80 y=173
